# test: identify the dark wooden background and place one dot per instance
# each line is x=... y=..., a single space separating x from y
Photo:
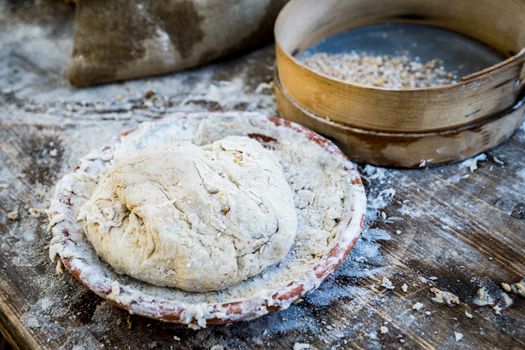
x=449 y=227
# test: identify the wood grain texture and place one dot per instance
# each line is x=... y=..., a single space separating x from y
x=464 y=228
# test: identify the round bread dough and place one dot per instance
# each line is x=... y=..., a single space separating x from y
x=196 y=218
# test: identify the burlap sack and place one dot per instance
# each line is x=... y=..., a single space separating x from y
x=122 y=39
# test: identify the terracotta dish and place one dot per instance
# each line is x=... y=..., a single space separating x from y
x=274 y=289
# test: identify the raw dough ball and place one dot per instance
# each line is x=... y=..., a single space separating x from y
x=196 y=218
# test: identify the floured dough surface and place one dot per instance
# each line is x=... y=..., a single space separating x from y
x=199 y=218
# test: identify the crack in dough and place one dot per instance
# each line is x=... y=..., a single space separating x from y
x=159 y=215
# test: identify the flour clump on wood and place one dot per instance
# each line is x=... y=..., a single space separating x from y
x=198 y=218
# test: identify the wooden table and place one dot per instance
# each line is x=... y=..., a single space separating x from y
x=449 y=227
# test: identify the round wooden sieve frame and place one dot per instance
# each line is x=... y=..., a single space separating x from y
x=484 y=94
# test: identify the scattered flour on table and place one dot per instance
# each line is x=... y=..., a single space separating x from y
x=301 y=346
x=381 y=191
x=458 y=336
x=365 y=260
x=472 y=163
